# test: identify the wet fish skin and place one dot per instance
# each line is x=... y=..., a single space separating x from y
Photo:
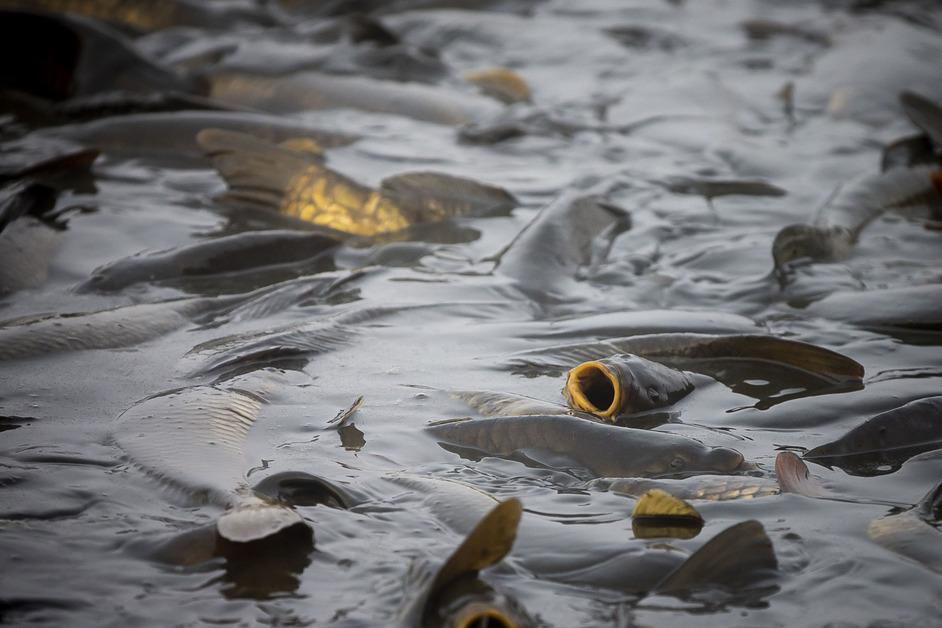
x=705 y=487
x=624 y=384
x=239 y=252
x=602 y=449
x=883 y=442
x=910 y=307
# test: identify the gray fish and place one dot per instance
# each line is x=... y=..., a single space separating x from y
x=914 y=533
x=489 y=403
x=193 y=439
x=133 y=324
x=311 y=90
x=603 y=450
x=837 y=224
x=713 y=188
x=624 y=384
x=173 y=135
x=559 y=240
x=882 y=443
x=705 y=487
x=228 y=254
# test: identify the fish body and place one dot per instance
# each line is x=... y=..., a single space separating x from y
x=602 y=449
x=909 y=307
x=883 y=442
x=312 y=90
x=624 y=384
x=300 y=186
x=704 y=487
x=174 y=134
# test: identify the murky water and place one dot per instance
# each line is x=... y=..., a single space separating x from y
x=644 y=94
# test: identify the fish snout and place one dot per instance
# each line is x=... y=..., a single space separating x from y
x=725 y=459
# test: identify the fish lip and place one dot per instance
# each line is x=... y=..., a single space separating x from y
x=578 y=398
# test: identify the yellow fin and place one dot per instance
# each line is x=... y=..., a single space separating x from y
x=304 y=145
x=502 y=84
x=486 y=545
x=659 y=504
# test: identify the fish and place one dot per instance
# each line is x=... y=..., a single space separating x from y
x=192 y=438
x=42 y=159
x=125 y=326
x=914 y=533
x=882 y=443
x=559 y=240
x=911 y=307
x=826 y=366
x=304 y=91
x=713 y=188
x=62 y=56
x=150 y=15
x=173 y=135
x=456 y=597
x=794 y=477
x=282 y=180
x=584 y=559
x=226 y=255
x=603 y=450
x=624 y=384
x=501 y=83
x=836 y=225
x=698 y=487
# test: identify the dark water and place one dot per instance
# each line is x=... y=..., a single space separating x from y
x=73 y=507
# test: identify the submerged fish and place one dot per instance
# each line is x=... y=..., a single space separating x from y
x=311 y=90
x=565 y=235
x=911 y=307
x=713 y=188
x=603 y=450
x=836 y=226
x=241 y=252
x=882 y=443
x=133 y=324
x=456 y=596
x=705 y=487
x=914 y=533
x=736 y=558
x=173 y=135
x=193 y=438
x=279 y=179
x=624 y=384
x=501 y=83
x=37 y=156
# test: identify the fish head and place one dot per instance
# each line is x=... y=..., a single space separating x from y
x=800 y=243
x=472 y=603
x=296 y=488
x=623 y=384
x=691 y=457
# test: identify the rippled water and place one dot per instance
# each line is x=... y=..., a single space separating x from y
x=674 y=90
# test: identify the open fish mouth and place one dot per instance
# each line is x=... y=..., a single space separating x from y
x=592 y=387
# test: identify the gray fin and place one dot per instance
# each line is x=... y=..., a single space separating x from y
x=446 y=195
x=256 y=171
x=733 y=559
x=489 y=403
x=192 y=437
x=255 y=520
x=794 y=477
x=486 y=545
x=924 y=113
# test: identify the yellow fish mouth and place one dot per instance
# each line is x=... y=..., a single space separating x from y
x=477 y=615
x=593 y=387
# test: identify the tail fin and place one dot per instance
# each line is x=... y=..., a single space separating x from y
x=794 y=477
x=735 y=558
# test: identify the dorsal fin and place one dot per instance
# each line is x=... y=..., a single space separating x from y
x=794 y=477
x=734 y=558
x=486 y=545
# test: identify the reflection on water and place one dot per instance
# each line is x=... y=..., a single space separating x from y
x=442 y=208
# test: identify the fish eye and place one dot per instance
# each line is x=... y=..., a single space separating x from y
x=654 y=394
x=678 y=463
